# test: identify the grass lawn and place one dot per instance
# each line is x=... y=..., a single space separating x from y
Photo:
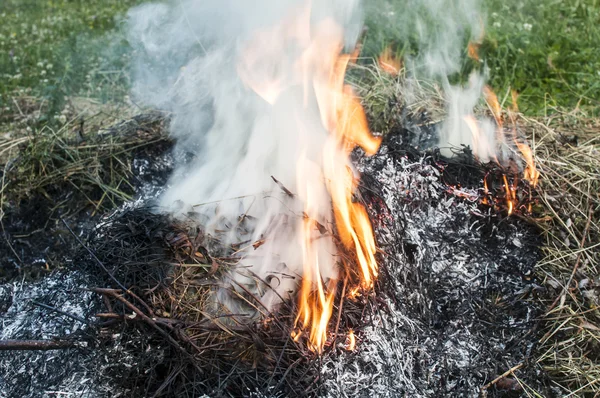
x=50 y=50
x=547 y=51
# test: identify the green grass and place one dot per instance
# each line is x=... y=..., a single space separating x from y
x=545 y=50
x=51 y=50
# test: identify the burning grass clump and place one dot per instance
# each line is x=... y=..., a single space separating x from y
x=165 y=275
x=564 y=207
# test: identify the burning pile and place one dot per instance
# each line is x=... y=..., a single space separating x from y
x=300 y=124
x=286 y=164
x=262 y=254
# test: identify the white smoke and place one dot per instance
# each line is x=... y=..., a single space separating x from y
x=441 y=29
x=188 y=62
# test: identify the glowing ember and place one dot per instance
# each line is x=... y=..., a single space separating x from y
x=318 y=70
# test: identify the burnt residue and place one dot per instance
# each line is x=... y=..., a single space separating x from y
x=460 y=285
x=33 y=239
x=453 y=307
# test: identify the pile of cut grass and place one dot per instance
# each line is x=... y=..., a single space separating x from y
x=50 y=164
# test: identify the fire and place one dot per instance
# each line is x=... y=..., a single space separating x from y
x=389 y=62
x=530 y=173
x=351 y=341
x=473 y=50
x=511 y=195
x=319 y=69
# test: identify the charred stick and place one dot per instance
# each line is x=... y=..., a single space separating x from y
x=145 y=317
x=60 y=312
x=110 y=274
x=283 y=188
x=337 y=325
x=204 y=326
x=503 y=375
x=37 y=345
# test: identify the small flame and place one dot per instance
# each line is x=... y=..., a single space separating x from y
x=389 y=62
x=511 y=196
x=473 y=50
x=351 y=341
x=492 y=100
x=530 y=173
x=486 y=191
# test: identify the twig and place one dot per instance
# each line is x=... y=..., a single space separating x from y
x=503 y=375
x=146 y=318
x=37 y=345
x=94 y=256
x=283 y=188
x=61 y=312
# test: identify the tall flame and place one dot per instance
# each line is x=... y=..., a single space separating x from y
x=319 y=70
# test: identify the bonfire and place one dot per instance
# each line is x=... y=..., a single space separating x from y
x=302 y=221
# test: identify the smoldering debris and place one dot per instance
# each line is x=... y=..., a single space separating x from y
x=451 y=312
x=457 y=312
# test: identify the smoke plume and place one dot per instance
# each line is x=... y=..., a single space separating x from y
x=211 y=64
x=440 y=31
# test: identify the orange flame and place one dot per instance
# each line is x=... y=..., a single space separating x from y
x=351 y=341
x=530 y=173
x=473 y=50
x=511 y=196
x=492 y=100
x=389 y=62
x=319 y=69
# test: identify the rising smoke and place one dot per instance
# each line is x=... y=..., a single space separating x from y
x=440 y=30
x=195 y=59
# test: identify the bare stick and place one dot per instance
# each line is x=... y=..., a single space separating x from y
x=94 y=256
x=283 y=188
x=37 y=345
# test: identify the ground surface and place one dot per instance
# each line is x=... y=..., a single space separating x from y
x=63 y=62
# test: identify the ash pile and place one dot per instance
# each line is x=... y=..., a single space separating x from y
x=450 y=315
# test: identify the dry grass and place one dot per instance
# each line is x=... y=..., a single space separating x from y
x=567 y=151
x=80 y=156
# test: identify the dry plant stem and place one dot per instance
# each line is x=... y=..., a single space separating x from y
x=577 y=262
x=503 y=375
x=148 y=320
x=36 y=345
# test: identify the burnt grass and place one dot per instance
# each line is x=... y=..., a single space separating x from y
x=134 y=248
x=47 y=184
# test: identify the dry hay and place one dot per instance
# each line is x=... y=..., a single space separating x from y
x=567 y=152
x=165 y=276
